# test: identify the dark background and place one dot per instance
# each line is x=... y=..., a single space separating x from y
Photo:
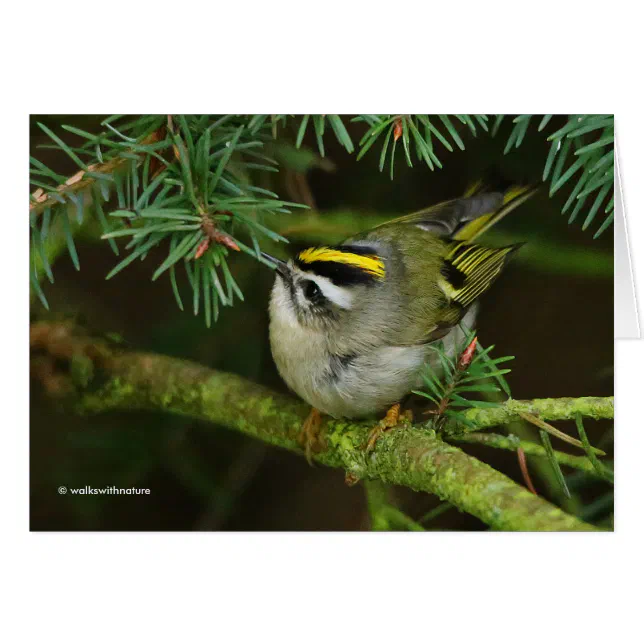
x=551 y=309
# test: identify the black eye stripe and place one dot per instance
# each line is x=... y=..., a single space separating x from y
x=312 y=291
x=341 y=274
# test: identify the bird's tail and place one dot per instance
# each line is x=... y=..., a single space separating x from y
x=513 y=196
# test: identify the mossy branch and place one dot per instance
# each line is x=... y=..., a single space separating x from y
x=102 y=377
x=543 y=408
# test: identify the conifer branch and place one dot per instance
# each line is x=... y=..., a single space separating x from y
x=82 y=180
x=101 y=377
x=544 y=408
x=207 y=176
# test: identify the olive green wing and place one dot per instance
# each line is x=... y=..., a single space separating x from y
x=444 y=273
x=469 y=270
x=465 y=273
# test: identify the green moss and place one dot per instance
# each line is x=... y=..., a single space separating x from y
x=546 y=408
x=407 y=455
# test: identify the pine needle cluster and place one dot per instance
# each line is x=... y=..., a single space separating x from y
x=187 y=184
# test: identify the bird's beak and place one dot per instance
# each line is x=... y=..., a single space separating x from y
x=280 y=266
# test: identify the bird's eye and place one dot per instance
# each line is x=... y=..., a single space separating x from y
x=311 y=291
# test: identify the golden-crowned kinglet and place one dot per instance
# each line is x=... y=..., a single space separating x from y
x=351 y=325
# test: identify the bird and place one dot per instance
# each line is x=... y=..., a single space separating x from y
x=352 y=325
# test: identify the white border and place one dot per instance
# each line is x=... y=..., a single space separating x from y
x=333 y=57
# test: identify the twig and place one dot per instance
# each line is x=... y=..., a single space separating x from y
x=462 y=364
x=434 y=513
x=384 y=515
x=524 y=470
x=545 y=408
x=81 y=180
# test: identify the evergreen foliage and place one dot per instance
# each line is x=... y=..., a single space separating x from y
x=450 y=381
x=582 y=149
x=186 y=183
x=469 y=370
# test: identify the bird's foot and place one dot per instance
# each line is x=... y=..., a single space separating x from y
x=310 y=437
x=392 y=419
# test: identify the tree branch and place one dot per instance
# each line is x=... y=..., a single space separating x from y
x=83 y=179
x=101 y=377
x=544 y=408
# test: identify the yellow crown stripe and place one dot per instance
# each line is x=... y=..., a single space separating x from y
x=371 y=264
